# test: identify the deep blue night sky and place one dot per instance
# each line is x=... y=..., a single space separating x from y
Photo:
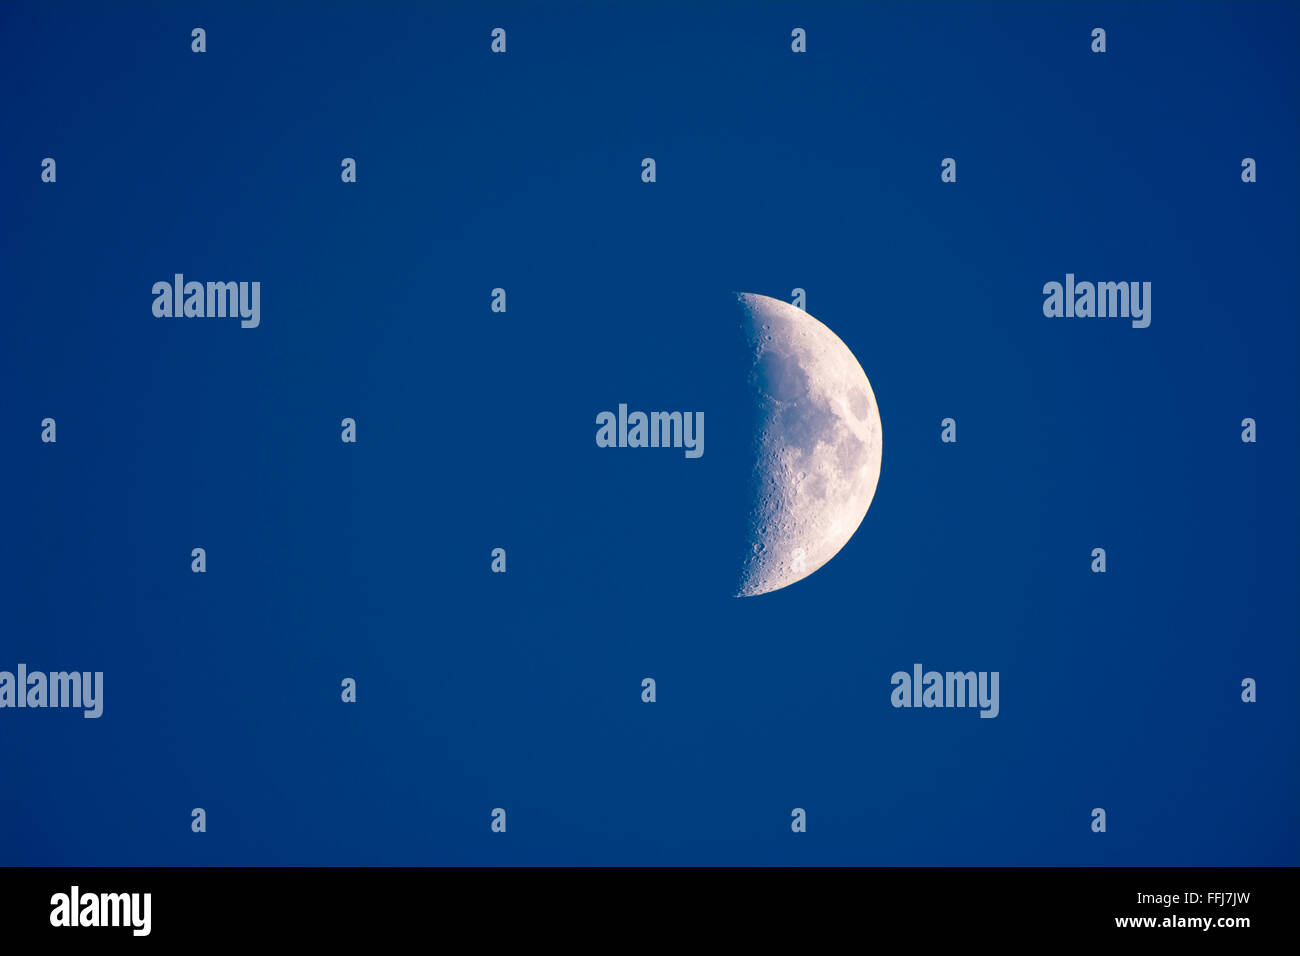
x=775 y=170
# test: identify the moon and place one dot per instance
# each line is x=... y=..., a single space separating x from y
x=816 y=447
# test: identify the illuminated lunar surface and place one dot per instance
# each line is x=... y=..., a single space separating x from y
x=816 y=450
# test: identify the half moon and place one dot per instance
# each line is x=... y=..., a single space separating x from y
x=816 y=447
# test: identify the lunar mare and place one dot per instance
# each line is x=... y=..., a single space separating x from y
x=816 y=448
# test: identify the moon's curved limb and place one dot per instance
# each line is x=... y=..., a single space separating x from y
x=816 y=449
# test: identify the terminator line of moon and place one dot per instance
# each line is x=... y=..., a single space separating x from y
x=816 y=448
